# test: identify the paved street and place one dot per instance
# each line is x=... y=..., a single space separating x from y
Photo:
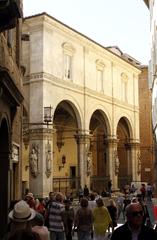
x=150 y=206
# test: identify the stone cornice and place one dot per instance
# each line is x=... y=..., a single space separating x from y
x=78 y=89
x=38 y=134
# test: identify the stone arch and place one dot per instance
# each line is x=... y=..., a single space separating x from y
x=124 y=134
x=100 y=128
x=104 y=115
x=74 y=105
x=128 y=123
x=67 y=123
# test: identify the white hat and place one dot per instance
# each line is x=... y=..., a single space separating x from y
x=22 y=212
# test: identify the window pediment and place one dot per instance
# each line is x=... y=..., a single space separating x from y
x=124 y=77
x=100 y=64
x=68 y=48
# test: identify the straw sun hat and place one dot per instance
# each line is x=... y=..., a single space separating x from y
x=22 y=212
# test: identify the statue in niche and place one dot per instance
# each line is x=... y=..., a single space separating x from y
x=89 y=163
x=34 y=160
x=138 y=163
x=117 y=163
x=48 y=160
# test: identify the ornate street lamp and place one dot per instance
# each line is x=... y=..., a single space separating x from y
x=48 y=120
x=48 y=115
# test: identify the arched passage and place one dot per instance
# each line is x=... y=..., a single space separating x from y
x=123 y=151
x=4 y=181
x=100 y=130
x=66 y=165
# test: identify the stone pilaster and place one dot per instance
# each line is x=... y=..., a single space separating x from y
x=113 y=161
x=135 y=160
x=84 y=159
x=41 y=161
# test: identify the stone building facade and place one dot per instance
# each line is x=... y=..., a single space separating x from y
x=93 y=92
x=152 y=75
x=10 y=107
x=146 y=133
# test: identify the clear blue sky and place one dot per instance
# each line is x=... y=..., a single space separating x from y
x=124 y=23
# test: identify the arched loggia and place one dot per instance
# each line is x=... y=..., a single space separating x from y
x=100 y=130
x=123 y=150
x=66 y=160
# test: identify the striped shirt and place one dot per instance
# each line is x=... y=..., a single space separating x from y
x=55 y=217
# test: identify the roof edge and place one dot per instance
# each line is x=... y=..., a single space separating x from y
x=146 y=2
x=83 y=35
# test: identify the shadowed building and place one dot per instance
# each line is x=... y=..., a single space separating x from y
x=146 y=134
x=10 y=107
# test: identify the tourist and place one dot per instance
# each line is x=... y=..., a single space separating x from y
x=120 y=205
x=20 y=217
x=56 y=225
x=40 y=206
x=149 y=192
x=101 y=219
x=83 y=221
x=68 y=219
x=92 y=203
x=134 y=228
x=29 y=198
x=109 y=185
x=143 y=191
x=38 y=227
x=48 y=202
x=80 y=193
x=112 y=208
x=104 y=193
x=86 y=191
x=126 y=202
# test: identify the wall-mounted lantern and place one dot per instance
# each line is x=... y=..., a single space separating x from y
x=63 y=162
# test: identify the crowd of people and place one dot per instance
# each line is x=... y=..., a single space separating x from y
x=55 y=218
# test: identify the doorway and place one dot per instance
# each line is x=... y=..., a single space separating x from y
x=4 y=176
x=73 y=177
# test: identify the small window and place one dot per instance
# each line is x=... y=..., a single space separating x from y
x=68 y=52
x=99 y=80
x=124 y=83
x=67 y=67
x=100 y=75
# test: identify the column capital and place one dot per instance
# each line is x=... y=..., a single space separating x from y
x=133 y=143
x=82 y=138
x=38 y=134
x=112 y=139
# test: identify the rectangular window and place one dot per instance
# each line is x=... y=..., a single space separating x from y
x=124 y=91
x=67 y=66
